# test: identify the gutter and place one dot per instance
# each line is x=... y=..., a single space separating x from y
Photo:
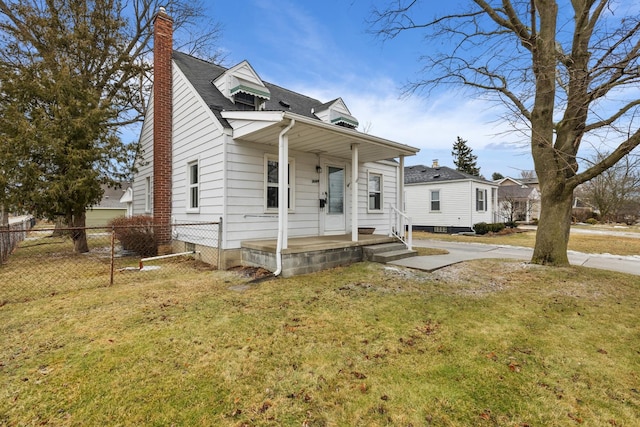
x=283 y=174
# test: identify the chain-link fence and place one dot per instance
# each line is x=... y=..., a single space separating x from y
x=47 y=261
x=12 y=234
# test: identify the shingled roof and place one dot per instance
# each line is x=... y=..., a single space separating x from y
x=422 y=174
x=514 y=192
x=201 y=74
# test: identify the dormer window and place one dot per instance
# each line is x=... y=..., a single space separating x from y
x=245 y=101
x=337 y=113
x=242 y=85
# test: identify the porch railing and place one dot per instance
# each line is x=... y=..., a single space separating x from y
x=400 y=226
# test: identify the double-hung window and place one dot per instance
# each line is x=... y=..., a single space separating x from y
x=147 y=195
x=271 y=172
x=435 y=200
x=481 y=200
x=375 y=192
x=193 y=173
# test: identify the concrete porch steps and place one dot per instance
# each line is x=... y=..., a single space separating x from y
x=387 y=252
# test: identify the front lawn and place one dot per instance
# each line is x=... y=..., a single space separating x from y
x=481 y=343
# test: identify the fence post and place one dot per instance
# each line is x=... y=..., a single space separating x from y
x=113 y=253
x=220 y=244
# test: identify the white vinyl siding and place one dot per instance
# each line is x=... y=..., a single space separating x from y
x=368 y=218
x=142 y=182
x=197 y=140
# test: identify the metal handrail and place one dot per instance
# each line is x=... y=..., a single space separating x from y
x=400 y=226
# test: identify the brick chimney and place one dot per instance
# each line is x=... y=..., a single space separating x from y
x=162 y=128
x=435 y=164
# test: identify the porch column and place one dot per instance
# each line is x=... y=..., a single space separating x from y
x=354 y=192
x=401 y=185
x=283 y=180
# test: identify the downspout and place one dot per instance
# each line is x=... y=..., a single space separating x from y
x=283 y=179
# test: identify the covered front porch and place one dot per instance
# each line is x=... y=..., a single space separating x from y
x=309 y=254
x=346 y=160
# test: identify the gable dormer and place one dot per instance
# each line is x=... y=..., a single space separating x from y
x=242 y=85
x=337 y=113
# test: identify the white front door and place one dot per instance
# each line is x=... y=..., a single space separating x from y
x=335 y=209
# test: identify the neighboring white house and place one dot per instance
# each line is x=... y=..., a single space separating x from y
x=518 y=200
x=444 y=200
x=229 y=131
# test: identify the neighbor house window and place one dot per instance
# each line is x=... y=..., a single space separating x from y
x=271 y=169
x=435 y=200
x=194 y=186
x=147 y=195
x=375 y=192
x=481 y=200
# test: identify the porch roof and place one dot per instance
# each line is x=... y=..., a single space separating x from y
x=312 y=135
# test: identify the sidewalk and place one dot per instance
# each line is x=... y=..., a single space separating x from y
x=459 y=252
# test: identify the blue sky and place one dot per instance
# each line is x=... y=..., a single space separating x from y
x=322 y=49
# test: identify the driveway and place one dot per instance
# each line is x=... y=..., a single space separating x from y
x=459 y=252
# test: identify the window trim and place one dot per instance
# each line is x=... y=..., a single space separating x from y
x=431 y=192
x=292 y=183
x=483 y=199
x=191 y=186
x=380 y=192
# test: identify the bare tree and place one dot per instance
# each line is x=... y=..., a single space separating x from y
x=614 y=191
x=566 y=74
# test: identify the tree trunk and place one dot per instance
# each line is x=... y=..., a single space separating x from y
x=79 y=233
x=552 y=237
x=60 y=227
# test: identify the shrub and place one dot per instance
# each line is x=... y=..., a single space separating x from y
x=511 y=224
x=136 y=234
x=591 y=221
x=484 y=228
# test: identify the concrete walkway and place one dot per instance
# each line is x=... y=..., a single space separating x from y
x=459 y=252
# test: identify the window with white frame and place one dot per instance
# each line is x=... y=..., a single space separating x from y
x=271 y=172
x=193 y=172
x=435 y=200
x=481 y=200
x=375 y=192
x=147 y=195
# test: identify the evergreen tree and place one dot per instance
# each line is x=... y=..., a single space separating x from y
x=463 y=158
x=72 y=73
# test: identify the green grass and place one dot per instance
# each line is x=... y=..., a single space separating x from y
x=481 y=343
x=588 y=243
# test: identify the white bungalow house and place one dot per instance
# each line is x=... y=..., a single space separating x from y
x=444 y=200
x=213 y=142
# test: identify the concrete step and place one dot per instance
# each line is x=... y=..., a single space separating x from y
x=371 y=250
x=388 y=256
